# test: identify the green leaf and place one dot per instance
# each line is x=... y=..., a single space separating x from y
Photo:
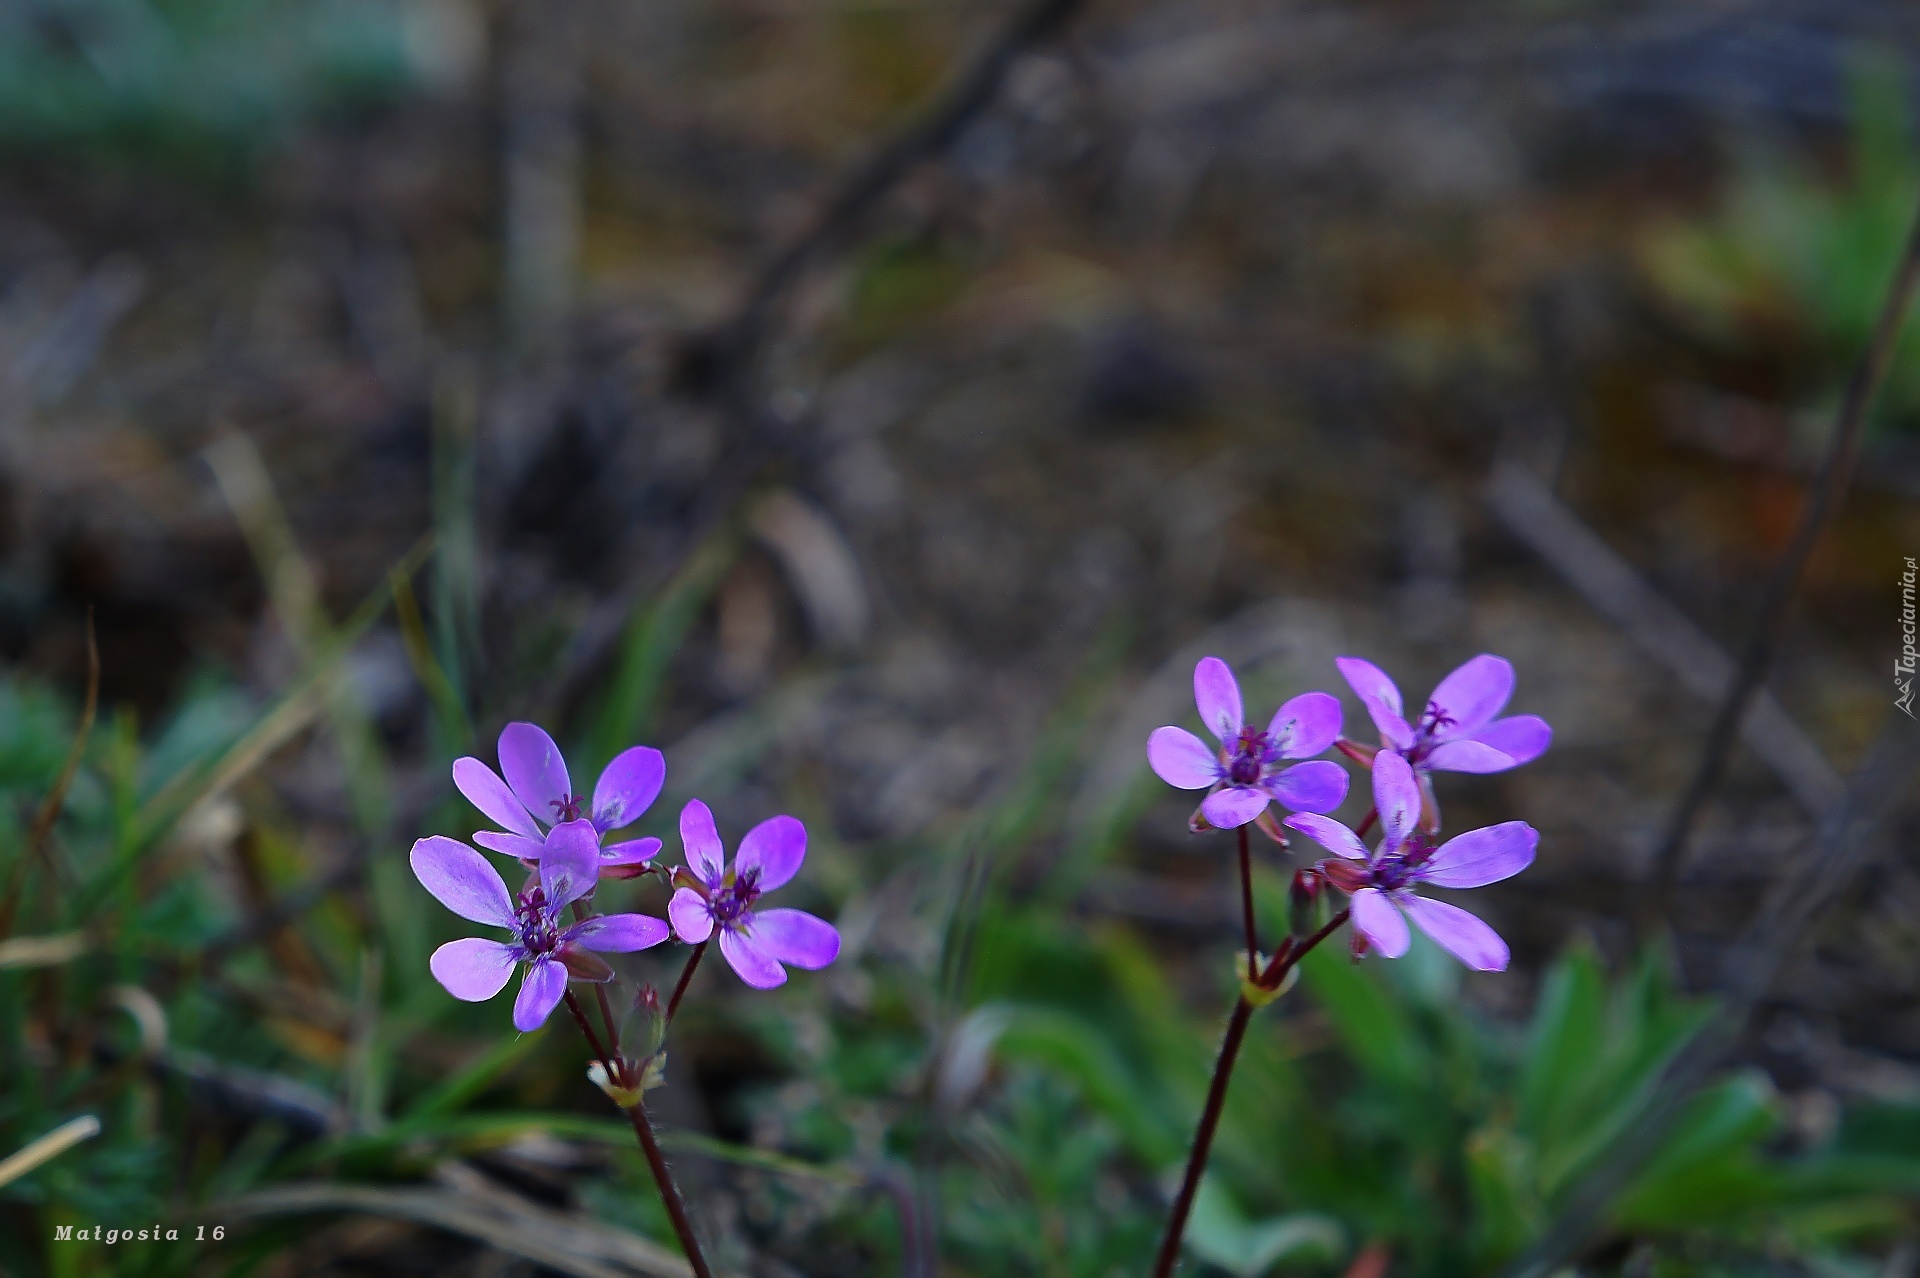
x=1219 y=1233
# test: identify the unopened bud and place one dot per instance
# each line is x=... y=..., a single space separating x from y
x=648 y=1019
x=1303 y=900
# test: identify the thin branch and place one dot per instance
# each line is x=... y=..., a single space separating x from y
x=1756 y=657
x=736 y=343
x=57 y=796
x=1534 y=515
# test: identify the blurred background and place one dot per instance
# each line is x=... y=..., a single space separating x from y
x=879 y=405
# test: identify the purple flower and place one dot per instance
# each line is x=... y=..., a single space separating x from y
x=475 y=969
x=537 y=795
x=1251 y=767
x=1382 y=883
x=716 y=896
x=1457 y=731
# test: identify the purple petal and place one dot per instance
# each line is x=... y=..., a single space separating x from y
x=1482 y=856
x=1464 y=755
x=1522 y=737
x=632 y=852
x=1396 y=797
x=569 y=863
x=1181 y=759
x=692 y=920
x=757 y=969
x=540 y=992
x=1472 y=695
x=1379 y=922
x=796 y=937
x=1319 y=785
x=1329 y=834
x=628 y=787
x=534 y=769
x=473 y=970
x=706 y=856
x=1459 y=933
x=776 y=847
x=462 y=880
x=1233 y=806
x=514 y=845
x=1218 y=697
x=1381 y=697
x=617 y=933
x=1306 y=725
x=485 y=790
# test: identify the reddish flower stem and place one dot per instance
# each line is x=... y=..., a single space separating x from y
x=686 y=976
x=643 y=1130
x=1366 y=822
x=1283 y=962
x=606 y=1009
x=1246 y=904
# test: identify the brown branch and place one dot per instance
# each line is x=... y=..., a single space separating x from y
x=1756 y=657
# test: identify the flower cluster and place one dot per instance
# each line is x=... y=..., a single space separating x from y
x=1456 y=732
x=561 y=837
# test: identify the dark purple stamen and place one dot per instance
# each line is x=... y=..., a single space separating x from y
x=538 y=935
x=734 y=899
x=568 y=808
x=1249 y=757
x=1434 y=719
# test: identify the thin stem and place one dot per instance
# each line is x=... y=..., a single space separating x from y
x=1283 y=962
x=669 y=1192
x=1829 y=487
x=656 y=1161
x=1366 y=822
x=606 y=1014
x=686 y=976
x=1246 y=905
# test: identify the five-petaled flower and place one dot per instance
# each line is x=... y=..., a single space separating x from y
x=1457 y=731
x=1252 y=767
x=1382 y=883
x=475 y=969
x=716 y=896
x=537 y=795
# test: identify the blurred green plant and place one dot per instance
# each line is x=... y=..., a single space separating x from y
x=205 y=87
x=1795 y=257
x=1011 y=1089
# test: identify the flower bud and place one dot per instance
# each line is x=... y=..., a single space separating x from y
x=1303 y=899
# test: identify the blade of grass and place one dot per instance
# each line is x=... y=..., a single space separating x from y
x=56 y=797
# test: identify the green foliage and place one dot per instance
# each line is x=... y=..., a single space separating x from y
x=1791 y=252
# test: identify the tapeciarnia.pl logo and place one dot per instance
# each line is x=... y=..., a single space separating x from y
x=1903 y=665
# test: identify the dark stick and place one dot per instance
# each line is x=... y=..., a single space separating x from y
x=56 y=797
x=1283 y=962
x=1829 y=487
x=686 y=975
x=867 y=185
x=1246 y=905
x=656 y=1161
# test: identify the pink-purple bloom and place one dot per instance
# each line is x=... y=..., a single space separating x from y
x=1252 y=766
x=717 y=897
x=1382 y=883
x=476 y=969
x=1457 y=732
x=537 y=796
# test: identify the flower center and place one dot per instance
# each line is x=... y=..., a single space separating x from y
x=1249 y=757
x=734 y=898
x=538 y=933
x=1400 y=867
x=1433 y=718
x=567 y=808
